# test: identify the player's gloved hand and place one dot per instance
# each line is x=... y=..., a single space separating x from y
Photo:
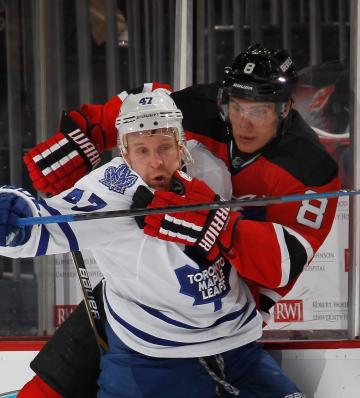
x=209 y=231
x=13 y=207
x=57 y=163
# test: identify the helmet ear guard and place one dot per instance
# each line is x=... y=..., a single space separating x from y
x=223 y=103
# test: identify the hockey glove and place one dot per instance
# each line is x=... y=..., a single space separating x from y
x=57 y=163
x=13 y=207
x=208 y=231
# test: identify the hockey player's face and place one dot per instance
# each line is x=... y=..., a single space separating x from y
x=254 y=124
x=154 y=157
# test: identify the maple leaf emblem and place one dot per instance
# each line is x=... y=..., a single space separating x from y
x=119 y=178
x=206 y=285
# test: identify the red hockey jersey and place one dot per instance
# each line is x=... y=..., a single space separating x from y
x=275 y=243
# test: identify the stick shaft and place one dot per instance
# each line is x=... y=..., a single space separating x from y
x=93 y=308
x=262 y=201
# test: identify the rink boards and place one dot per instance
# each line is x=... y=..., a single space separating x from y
x=319 y=372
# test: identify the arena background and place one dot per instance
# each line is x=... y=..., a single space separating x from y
x=59 y=54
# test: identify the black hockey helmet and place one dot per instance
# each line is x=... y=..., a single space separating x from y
x=258 y=74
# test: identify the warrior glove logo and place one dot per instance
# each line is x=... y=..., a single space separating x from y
x=213 y=229
x=86 y=147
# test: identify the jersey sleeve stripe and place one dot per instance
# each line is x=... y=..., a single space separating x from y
x=271 y=294
x=267 y=300
x=140 y=333
x=225 y=318
x=157 y=340
x=43 y=242
x=65 y=227
x=285 y=256
x=298 y=255
x=265 y=305
x=306 y=245
x=252 y=315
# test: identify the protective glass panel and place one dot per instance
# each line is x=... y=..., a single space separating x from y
x=316 y=34
x=55 y=56
x=99 y=49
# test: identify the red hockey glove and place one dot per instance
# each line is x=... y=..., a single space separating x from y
x=57 y=163
x=101 y=122
x=37 y=388
x=209 y=231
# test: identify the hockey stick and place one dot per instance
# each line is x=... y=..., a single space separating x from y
x=245 y=202
x=91 y=306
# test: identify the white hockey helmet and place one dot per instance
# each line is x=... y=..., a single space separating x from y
x=147 y=112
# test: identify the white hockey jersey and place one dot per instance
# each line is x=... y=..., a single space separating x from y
x=160 y=299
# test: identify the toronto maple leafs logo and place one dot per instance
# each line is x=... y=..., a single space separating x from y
x=207 y=285
x=119 y=178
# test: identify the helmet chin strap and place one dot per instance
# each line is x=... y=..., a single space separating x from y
x=283 y=109
x=125 y=160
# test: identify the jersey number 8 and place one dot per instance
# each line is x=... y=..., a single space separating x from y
x=312 y=215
